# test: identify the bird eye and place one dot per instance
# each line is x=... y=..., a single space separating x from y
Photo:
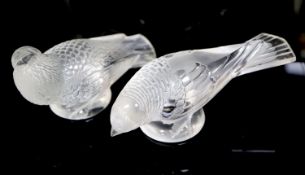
x=167 y=110
x=25 y=59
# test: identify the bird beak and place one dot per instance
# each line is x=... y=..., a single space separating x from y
x=113 y=132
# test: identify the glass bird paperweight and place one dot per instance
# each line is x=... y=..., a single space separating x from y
x=74 y=77
x=165 y=97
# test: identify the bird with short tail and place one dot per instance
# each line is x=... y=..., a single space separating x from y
x=166 y=96
x=74 y=77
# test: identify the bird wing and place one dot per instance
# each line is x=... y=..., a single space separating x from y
x=189 y=93
x=83 y=85
x=109 y=49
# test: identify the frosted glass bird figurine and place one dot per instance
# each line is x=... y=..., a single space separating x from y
x=165 y=97
x=74 y=77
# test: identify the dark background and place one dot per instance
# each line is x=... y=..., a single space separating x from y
x=254 y=123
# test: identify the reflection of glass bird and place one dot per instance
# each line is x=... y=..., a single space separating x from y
x=166 y=96
x=297 y=68
x=74 y=77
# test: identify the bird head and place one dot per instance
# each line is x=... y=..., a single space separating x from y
x=36 y=75
x=126 y=115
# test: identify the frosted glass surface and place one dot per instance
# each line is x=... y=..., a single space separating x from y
x=74 y=77
x=166 y=96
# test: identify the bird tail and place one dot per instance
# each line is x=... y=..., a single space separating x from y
x=142 y=47
x=270 y=51
x=134 y=46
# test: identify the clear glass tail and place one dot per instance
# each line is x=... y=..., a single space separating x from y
x=271 y=51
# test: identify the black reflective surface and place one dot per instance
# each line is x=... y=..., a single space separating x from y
x=255 y=122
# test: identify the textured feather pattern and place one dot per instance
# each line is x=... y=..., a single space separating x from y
x=160 y=89
x=83 y=70
x=150 y=86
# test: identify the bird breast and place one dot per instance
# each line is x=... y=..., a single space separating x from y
x=150 y=86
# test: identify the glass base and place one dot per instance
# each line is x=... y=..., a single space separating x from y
x=165 y=133
x=88 y=110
